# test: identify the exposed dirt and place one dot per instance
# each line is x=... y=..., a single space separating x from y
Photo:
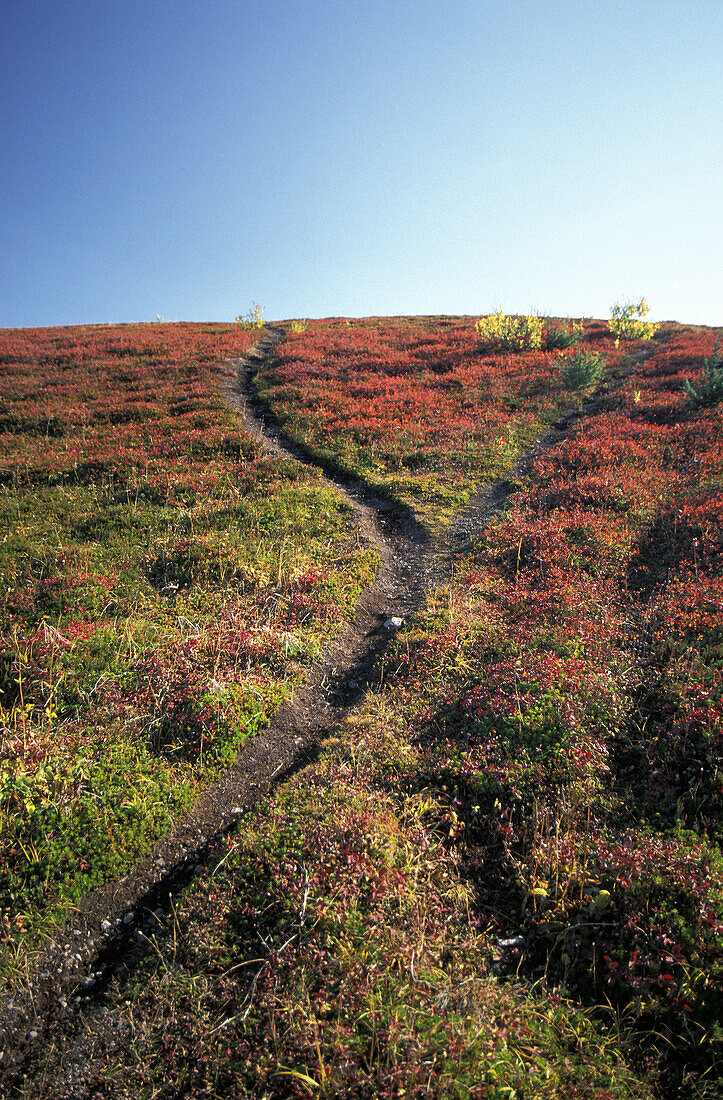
x=60 y=1002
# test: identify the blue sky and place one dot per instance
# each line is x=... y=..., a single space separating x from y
x=355 y=157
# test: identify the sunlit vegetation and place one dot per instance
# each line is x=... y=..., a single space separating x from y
x=582 y=370
x=503 y=877
x=709 y=389
x=162 y=585
x=424 y=411
x=510 y=333
x=626 y=321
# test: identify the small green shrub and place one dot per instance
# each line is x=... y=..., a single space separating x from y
x=709 y=391
x=300 y=325
x=582 y=370
x=563 y=335
x=510 y=333
x=624 y=321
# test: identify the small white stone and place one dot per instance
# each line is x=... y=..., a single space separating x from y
x=514 y=941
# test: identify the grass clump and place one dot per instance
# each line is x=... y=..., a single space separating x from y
x=708 y=390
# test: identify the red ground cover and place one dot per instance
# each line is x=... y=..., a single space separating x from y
x=418 y=407
x=581 y=737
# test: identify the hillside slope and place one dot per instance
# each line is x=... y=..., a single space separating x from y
x=498 y=871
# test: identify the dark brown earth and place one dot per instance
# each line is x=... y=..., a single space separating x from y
x=63 y=987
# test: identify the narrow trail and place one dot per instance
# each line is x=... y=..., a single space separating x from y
x=61 y=998
x=106 y=936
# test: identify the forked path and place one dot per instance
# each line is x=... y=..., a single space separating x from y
x=60 y=1000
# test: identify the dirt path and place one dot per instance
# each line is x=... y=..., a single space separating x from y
x=105 y=937
x=60 y=1002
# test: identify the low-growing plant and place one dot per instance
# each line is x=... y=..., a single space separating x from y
x=582 y=370
x=564 y=335
x=162 y=586
x=422 y=415
x=625 y=323
x=254 y=318
x=510 y=333
x=709 y=390
x=300 y=325
x=502 y=876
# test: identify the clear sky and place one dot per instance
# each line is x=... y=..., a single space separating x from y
x=354 y=157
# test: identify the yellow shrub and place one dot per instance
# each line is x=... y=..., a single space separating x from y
x=253 y=319
x=623 y=321
x=510 y=333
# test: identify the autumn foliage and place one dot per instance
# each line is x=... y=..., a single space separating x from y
x=162 y=585
x=572 y=729
x=504 y=876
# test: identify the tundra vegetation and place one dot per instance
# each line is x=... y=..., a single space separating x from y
x=502 y=876
x=164 y=584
